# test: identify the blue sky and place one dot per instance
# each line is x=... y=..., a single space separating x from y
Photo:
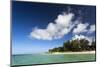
x=30 y=22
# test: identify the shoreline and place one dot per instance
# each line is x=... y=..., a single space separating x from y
x=56 y=53
x=83 y=52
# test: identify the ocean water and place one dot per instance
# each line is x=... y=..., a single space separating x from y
x=26 y=59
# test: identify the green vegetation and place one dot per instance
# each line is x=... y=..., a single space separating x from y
x=75 y=45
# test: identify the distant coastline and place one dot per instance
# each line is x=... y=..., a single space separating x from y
x=77 y=46
x=79 y=52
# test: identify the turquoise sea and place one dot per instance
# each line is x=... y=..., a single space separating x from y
x=26 y=59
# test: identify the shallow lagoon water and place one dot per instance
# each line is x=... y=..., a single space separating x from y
x=26 y=59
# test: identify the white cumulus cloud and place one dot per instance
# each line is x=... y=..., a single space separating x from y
x=81 y=28
x=65 y=19
x=92 y=29
x=62 y=25
x=40 y=34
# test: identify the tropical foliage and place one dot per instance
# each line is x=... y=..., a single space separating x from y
x=75 y=45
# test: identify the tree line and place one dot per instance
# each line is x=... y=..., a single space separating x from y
x=75 y=45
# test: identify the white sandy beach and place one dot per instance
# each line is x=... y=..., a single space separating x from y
x=83 y=52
